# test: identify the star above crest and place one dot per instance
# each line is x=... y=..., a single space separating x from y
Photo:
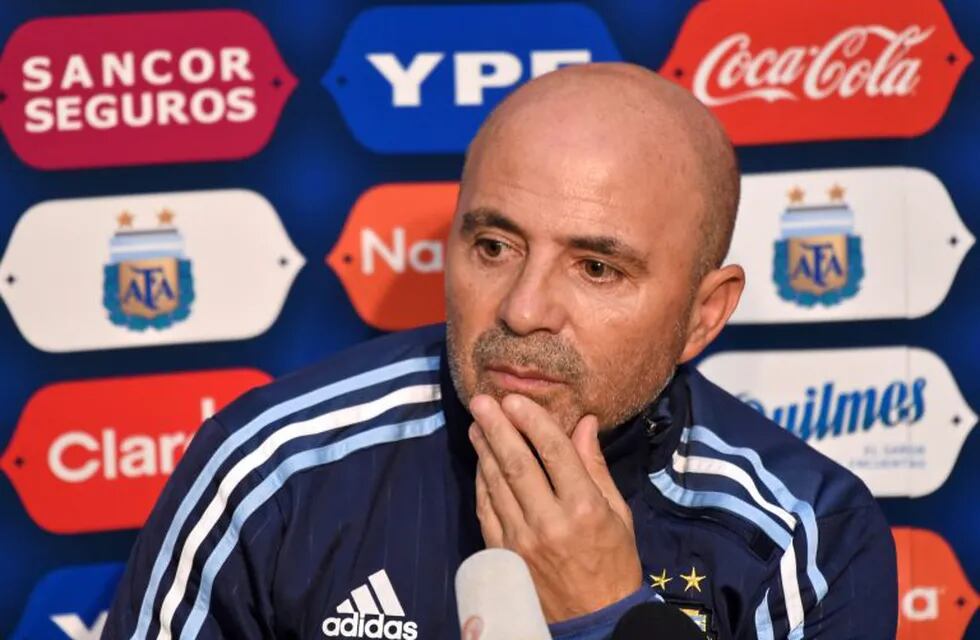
x=795 y=195
x=125 y=219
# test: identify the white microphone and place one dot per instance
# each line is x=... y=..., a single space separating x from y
x=496 y=600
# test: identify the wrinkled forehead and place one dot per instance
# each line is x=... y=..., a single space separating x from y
x=561 y=165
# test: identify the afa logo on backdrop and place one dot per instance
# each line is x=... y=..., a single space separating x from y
x=892 y=415
x=93 y=455
x=149 y=280
x=845 y=244
x=71 y=603
x=148 y=269
x=421 y=79
x=141 y=88
x=789 y=70
x=818 y=258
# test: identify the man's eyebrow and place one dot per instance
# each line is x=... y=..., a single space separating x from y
x=609 y=246
x=487 y=217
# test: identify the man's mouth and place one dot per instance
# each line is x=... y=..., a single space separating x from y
x=521 y=379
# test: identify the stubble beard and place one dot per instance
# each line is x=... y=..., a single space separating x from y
x=618 y=400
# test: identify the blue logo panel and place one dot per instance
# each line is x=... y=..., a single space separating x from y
x=421 y=79
x=69 y=602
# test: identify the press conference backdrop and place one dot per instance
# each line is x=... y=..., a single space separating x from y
x=198 y=197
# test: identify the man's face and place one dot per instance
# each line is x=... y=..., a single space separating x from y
x=569 y=272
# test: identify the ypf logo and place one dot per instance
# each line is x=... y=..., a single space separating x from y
x=70 y=603
x=935 y=600
x=78 y=443
x=141 y=88
x=391 y=253
x=148 y=269
x=422 y=79
x=784 y=70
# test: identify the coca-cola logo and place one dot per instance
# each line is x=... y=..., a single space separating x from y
x=77 y=443
x=838 y=67
x=139 y=88
x=780 y=71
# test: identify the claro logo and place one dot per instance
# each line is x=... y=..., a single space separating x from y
x=93 y=455
x=138 y=88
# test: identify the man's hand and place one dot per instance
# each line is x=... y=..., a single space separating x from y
x=576 y=531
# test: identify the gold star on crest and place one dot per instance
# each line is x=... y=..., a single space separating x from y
x=836 y=193
x=693 y=580
x=660 y=582
x=795 y=195
x=125 y=219
x=166 y=216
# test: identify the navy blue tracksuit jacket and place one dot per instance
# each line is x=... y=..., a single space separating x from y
x=338 y=502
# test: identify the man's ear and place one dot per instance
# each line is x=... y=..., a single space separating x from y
x=714 y=302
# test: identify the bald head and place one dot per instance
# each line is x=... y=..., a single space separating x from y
x=655 y=133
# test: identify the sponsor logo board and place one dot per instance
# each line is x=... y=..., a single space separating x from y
x=77 y=443
x=935 y=599
x=150 y=269
x=791 y=70
x=892 y=415
x=141 y=88
x=421 y=79
x=72 y=603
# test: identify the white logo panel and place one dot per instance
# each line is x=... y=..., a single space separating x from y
x=892 y=415
x=149 y=269
x=846 y=244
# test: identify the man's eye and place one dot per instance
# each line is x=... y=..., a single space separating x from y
x=599 y=271
x=490 y=248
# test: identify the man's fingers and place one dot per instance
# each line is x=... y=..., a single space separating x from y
x=564 y=467
x=493 y=531
x=514 y=461
x=585 y=440
x=502 y=500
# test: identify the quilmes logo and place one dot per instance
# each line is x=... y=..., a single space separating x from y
x=148 y=269
x=422 y=78
x=364 y=615
x=391 y=253
x=78 y=443
x=148 y=280
x=892 y=415
x=818 y=258
x=778 y=70
x=850 y=244
x=138 y=88
x=70 y=603
x=935 y=597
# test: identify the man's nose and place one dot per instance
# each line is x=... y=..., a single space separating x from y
x=533 y=302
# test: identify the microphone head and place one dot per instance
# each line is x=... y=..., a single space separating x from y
x=643 y=620
x=496 y=599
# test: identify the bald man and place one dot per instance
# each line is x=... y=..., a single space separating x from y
x=554 y=415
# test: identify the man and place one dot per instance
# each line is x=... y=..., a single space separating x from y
x=553 y=415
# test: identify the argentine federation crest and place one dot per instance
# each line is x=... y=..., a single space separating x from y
x=817 y=259
x=148 y=281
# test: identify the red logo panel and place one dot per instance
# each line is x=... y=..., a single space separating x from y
x=934 y=598
x=94 y=455
x=391 y=253
x=141 y=88
x=790 y=70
